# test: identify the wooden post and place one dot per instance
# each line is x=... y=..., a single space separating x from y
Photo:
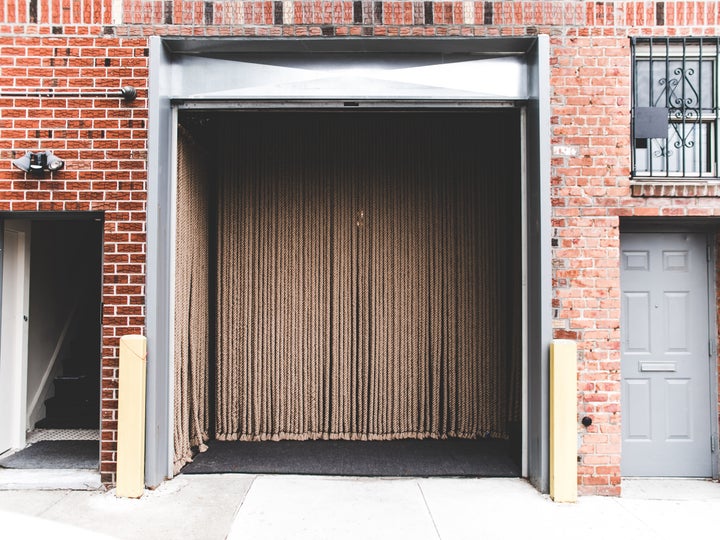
x=563 y=420
x=131 y=417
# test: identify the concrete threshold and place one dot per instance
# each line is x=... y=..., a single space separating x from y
x=670 y=489
x=50 y=479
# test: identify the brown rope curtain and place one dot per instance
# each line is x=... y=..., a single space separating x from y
x=191 y=422
x=359 y=274
x=363 y=265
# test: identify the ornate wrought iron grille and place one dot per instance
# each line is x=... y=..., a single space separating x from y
x=675 y=107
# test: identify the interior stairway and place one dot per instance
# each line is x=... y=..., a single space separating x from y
x=76 y=403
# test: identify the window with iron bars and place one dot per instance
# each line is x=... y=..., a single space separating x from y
x=675 y=108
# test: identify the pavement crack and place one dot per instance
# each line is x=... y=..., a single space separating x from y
x=246 y=494
x=66 y=494
x=432 y=518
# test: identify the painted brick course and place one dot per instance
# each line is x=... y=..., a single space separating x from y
x=74 y=45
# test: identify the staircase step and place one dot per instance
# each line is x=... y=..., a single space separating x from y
x=71 y=379
x=54 y=409
x=53 y=422
x=75 y=388
x=77 y=366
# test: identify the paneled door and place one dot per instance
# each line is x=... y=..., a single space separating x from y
x=666 y=355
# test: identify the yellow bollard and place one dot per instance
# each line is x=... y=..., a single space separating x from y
x=131 y=417
x=563 y=420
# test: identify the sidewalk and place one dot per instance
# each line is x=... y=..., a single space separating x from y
x=308 y=507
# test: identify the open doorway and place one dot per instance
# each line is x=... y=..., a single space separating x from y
x=51 y=341
x=348 y=284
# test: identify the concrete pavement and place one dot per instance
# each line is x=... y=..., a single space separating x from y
x=309 y=507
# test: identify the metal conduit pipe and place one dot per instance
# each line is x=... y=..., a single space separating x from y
x=126 y=93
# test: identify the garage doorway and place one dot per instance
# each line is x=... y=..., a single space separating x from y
x=324 y=75
x=358 y=275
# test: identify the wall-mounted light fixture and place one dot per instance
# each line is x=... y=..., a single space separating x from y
x=37 y=162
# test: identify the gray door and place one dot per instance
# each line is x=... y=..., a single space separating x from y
x=665 y=355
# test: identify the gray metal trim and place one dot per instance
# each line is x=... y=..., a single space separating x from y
x=221 y=46
x=159 y=242
x=707 y=224
x=52 y=216
x=384 y=69
x=539 y=265
x=713 y=329
x=233 y=104
x=524 y=281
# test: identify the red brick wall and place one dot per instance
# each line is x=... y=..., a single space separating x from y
x=103 y=143
x=85 y=44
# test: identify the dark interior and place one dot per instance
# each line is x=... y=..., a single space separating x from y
x=480 y=147
x=64 y=358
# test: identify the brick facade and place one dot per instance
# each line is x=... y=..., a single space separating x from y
x=72 y=45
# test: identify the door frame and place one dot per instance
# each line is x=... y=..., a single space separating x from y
x=25 y=219
x=21 y=267
x=710 y=228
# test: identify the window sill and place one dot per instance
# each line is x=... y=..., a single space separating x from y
x=650 y=187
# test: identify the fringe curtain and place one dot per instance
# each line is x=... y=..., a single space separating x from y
x=191 y=302
x=363 y=270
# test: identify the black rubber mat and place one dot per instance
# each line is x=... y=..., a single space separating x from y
x=407 y=457
x=55 y=455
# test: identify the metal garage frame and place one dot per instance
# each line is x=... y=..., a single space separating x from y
x=322 y=73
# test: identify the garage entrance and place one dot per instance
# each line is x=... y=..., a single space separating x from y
x=315 y=272
x=361 y=277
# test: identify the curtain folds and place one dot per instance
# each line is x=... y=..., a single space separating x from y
x=191 y=365
x=366 y=278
